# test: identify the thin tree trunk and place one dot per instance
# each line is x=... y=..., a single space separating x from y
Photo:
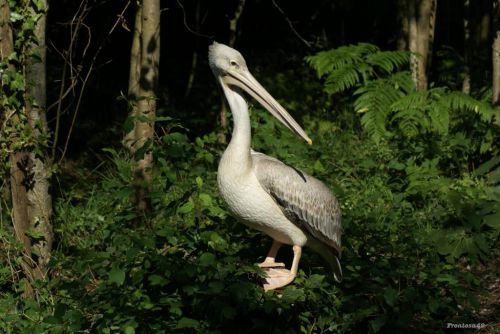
x=467 y=47
x=421 y=34
x=404 y=25
x=413 y=40
x=133 y=81
x=39 y=198
x=496 y=54
x=29 y=172
x=143 y=83
x=194 y=59
x=432 y=32
x=233 y=25
x=423 y=24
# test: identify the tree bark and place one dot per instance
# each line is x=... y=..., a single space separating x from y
x=29 y=171
x=133 y=81
x=39 y=198
x=404 y=25
x=496 y=53
x=412 y=40
x=421 y=15
x=143 y=88
x=467 y=47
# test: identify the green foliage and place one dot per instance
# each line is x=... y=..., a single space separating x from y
x=386 y=96
x=348 y=66
x=420 y=207
x=16 y=134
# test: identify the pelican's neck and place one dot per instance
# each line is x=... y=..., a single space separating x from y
x=238 y=150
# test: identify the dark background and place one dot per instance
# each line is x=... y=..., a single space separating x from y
x=264 y=37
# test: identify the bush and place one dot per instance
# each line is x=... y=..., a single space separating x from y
x=420 y=212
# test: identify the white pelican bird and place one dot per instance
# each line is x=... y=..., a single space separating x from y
x=285 y=203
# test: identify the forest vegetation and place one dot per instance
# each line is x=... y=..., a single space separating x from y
x=112 y=126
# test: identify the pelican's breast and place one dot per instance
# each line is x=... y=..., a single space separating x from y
x=250 y=203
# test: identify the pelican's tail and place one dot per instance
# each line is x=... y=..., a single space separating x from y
x=331 y=256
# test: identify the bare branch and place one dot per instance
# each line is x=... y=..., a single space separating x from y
x=86 y=78
x=291 y=25
x=187 y=26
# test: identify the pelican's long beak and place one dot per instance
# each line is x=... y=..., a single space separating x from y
x=244 y=80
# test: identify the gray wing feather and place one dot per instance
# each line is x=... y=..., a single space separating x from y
x=305 y=200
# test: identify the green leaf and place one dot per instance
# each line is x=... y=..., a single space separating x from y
x=186 y=208
x=487 y=166
x=34 y=234
x=377 y=324
x=128 y=125
x=493 y=220
x=205 y=199
x=157 y=280
x=291 y=294
x=185 y=322
x=117 y=276
x=199 y=182
x=129 y=330
x=139 y=154
x=15 y=17
x=390 y=296
x=207 y=259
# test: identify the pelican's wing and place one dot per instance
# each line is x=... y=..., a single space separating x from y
x=305 y=200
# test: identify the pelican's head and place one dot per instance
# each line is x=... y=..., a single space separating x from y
x=230 y=68
x=222 y=59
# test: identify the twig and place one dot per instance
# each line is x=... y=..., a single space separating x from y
x=291 y=25
x=187 y=26
x=87 y=76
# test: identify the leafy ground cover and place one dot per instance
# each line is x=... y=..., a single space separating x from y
x=419 y=192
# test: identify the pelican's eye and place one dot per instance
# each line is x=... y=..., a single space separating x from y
x=234 y=64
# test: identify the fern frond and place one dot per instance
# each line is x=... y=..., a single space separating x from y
x=374 y=125
x=325 y=62
x=341 y=79
x=410 y=101
x=389 y=60
x=422 y=111
x=459 y=101
x=321 y=62
x=439 y=116
x=376 y=98
x=402 y=81
x=411 y=121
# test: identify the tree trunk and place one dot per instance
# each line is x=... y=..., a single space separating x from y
x=467 y=47
x=143 y=87
x=412 y=40
x=133 y=80
x=496 y=53
x=194 y=59
x=404 y=25
x=421 y=15
x=39 y=198
x=233 y=25
x=29 y=171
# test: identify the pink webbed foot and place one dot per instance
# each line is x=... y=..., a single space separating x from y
x=277 y=278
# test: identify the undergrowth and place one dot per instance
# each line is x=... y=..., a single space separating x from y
x=420 y=199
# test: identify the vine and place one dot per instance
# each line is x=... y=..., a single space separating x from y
x=16 y=132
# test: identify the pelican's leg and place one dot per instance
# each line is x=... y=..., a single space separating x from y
x=278 y=278
x=270 y=261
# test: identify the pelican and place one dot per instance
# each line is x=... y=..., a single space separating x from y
x=264 y=193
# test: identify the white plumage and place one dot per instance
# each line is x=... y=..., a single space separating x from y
x=290 y=206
